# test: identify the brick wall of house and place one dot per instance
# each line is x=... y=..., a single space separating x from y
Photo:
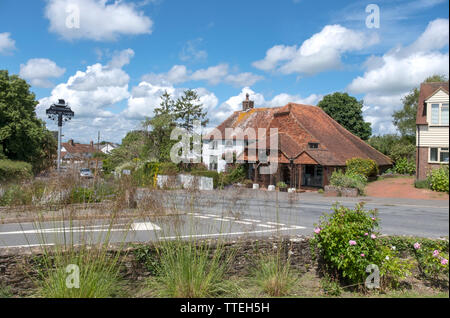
x=422 y=165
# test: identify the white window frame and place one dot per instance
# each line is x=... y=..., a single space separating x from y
x=439 y=113
x=438 y=155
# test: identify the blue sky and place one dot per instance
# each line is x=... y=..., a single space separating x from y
x=114 y=64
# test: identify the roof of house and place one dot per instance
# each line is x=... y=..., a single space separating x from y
x=298 y=125
x=76 y=149
x=426 y=91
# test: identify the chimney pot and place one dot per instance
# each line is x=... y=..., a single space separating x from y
x=247 y=103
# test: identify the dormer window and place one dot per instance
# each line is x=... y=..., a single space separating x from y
x=313 y=145
x=439 y=114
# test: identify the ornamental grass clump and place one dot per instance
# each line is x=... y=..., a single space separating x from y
x=191 y=269
x=274 y=275
x=347 y=242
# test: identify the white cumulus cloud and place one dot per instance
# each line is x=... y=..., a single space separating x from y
x=96 y=19
x=391 y=76
x=6 y=43
x=91 y=92
x=39 y=70
x=319 y=53
x=213 y=75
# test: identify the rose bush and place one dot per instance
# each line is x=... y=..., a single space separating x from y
x=347 y=242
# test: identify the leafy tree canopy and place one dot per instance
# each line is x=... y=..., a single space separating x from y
x=347 y=111
x=22 y=135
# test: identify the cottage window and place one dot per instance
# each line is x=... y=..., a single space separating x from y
x=439 y=155
x=439 y=114
x=313 y=145
x=213 y=144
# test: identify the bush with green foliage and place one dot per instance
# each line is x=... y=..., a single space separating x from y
x=404 y=166
x=16 y=195
x=439 y=179
x=347 y=242
x=14 y=170
x=82 y=195
x=422 y=184
x=281 y=185
x=433 y=262
x=364 y=167
x=348 y=180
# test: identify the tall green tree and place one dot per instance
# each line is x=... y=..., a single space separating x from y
x=167 y=105
x=162 y=125
x=23 y=136
x=347 y=111
x=188 y=109
x=405 y=118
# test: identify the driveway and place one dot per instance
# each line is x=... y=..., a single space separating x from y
x=402 y=187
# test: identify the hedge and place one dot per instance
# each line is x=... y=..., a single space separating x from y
x=14 y=170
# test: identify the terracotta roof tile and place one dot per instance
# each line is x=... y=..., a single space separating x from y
x=298 y=125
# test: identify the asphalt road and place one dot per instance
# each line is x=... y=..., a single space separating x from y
x=233 y=214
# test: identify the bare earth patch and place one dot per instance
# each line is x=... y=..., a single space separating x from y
x=401 y=187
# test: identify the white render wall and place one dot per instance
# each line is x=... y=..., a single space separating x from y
x=223 y=146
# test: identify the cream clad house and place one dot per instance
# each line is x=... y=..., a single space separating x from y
x=432 y=128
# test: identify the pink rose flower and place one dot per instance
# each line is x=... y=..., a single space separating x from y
x=365 y=234
x=373 y=236
x=351 y=242
x=444 y=261
x=435 y=253
x=373 y=219
x=362 y=255
x=416 y=246
x=317 y=230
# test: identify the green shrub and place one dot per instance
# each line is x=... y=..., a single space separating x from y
x=281 y=184
x=235 y=174
x=16 y=194
x=14 y=170
x=433 y=262
x=365 y=167
x=168 y=168
x=404 y=166
x=348 y=180
x=439 y=179
x=347 y=241
x=82 y=195
x=422 y=184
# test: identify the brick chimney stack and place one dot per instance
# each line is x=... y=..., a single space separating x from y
x=71 y=142
x=247 y=104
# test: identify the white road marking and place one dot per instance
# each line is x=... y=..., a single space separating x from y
x=145 y=226
x=31 y=245
x=93 y=228
x=275 y=223
x=243 y=222
x=251 y=220
x=201 y=217
x=222 y=220
x=230 y=234
x=265 y=225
